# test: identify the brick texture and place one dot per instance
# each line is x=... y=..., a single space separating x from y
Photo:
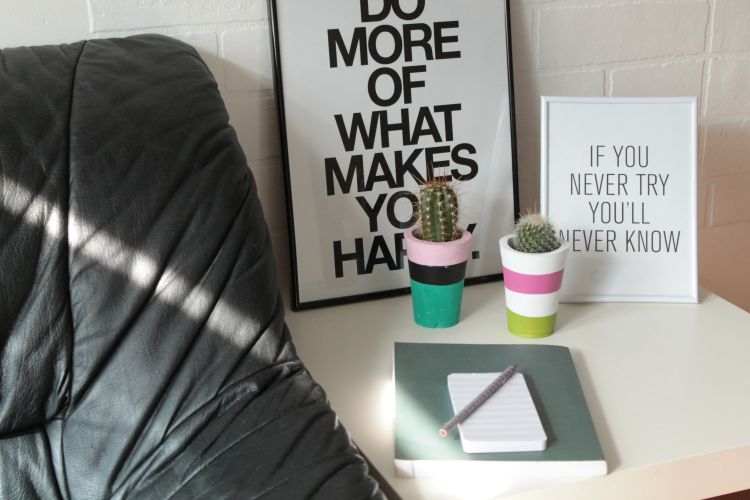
x=668 y=79
x=254 y=117
x=727 y=148
x=723 y=268
x=530 y=86
x=107 y=15
x=207 y=46
x=731 y=22
x=579 y=35
x=247 y=59
x=727 y=92
x=730 y=200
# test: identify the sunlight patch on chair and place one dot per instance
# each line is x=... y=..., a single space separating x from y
x=228 y=321
x=109 y=251
x=194 y=301
x=35 y=210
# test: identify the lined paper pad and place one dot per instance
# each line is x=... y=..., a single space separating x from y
x=507 y=421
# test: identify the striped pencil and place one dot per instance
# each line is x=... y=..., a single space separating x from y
x=478 y=400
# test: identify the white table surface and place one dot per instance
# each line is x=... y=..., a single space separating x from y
x=668 y=387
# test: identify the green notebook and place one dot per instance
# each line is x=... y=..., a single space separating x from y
x=423 y=404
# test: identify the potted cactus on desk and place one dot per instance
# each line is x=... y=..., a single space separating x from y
x=533 y=263
x=437 y=250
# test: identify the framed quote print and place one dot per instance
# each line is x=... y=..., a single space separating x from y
x=375 y=97
x=619 y=183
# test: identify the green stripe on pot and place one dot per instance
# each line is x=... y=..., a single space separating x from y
x=532 y=328
x=436 y=306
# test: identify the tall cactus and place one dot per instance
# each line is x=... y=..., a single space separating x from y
x=535 y=234
x=438 y=211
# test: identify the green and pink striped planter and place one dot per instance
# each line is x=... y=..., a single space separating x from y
x=437 y=272
x=532 y=288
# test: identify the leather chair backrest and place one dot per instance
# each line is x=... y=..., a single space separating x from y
x=143 y=350
x=36 y=326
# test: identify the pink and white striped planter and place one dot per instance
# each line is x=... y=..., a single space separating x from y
x=532 y=287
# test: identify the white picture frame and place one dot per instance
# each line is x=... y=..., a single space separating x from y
x=619 y=181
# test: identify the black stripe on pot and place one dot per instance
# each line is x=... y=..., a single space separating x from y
x=437 y=275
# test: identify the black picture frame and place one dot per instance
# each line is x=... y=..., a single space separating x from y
x=300 y=303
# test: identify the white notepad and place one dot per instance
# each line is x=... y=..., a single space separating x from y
x=507 y=421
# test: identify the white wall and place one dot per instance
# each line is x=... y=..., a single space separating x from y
x=561 y=47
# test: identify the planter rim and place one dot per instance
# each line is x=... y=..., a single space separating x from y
x=505 y=247
x=432 y=253
x=532 y=263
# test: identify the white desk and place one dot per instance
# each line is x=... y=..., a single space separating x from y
x=668 y=386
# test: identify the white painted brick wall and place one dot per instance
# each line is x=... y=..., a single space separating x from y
x=254 y=116
x=575 y=35
x=247 y=59
x=727 y=147
x=683 y=78
x=727 y=92
x=730 y=194
x=563 y=47
x=207 y=45
x=108 y=15
x=531 y=85
x=731 y=23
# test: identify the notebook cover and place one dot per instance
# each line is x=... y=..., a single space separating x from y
x=423 y=403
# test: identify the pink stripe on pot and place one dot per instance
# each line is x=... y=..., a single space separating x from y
x=429 y=253
x=532 y=283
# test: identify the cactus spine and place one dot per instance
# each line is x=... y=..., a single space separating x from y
x=438 y=211
x=535 y=234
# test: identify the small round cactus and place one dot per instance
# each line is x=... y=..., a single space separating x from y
x=438 y=211
x=535 y=234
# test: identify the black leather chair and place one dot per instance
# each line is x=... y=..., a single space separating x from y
x=143 y=351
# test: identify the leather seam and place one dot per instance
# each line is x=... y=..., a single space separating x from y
x=67 y=226
x=65 y=488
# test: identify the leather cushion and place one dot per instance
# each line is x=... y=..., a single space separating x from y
x=35 y=321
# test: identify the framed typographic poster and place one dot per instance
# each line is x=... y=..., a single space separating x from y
x=375 y=96
x=619 y=182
